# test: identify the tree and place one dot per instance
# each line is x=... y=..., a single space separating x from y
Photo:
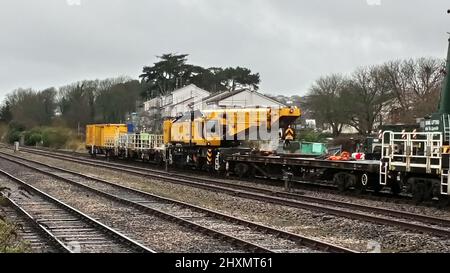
x=211 y=79
x=415 y=84
x=366 y=93
x=86 y=102
x=30 y=108
x=77 y=103
x=326 y=102
x=240 y=78
x=115 y=102
x=47 y=103
x=5 y=112
x=172 y=71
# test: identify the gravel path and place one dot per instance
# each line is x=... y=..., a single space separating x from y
x=158 y=234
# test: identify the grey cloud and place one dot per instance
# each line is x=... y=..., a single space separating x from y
x=291 y=43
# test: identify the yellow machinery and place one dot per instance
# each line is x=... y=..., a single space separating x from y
x=201 y=138
x=196 y=139
x=224 y=127
x=101 y=137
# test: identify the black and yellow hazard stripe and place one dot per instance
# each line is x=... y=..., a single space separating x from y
x=209 y=157
x=446 y=150
x=289 y=134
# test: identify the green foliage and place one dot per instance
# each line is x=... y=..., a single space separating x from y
x=55 y=137
x=172 y=71
x=239 y=78
x=34 y=139
x=33 y=136
x=309 y=135
x=15 y=130
x=5 y=112
x=13 y=136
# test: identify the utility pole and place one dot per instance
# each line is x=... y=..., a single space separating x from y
x=78 y=132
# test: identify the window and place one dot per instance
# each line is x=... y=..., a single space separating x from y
x=212 y=128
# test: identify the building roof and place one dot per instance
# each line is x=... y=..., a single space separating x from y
x=170 y=95
x=222 y=95
x=189 y=86
x=215 y=98
x=181 y=102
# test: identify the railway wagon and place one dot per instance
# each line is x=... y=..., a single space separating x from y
x=345 y=174
x=144 y=146
x=198 y=138
x=100 y=138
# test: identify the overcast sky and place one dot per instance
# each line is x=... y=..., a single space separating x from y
x=290 y=43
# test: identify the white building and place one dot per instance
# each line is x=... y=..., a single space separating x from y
x=240 y=99
x=310 y=124
x=181 y=100
x=178 y=102
x=346 y=129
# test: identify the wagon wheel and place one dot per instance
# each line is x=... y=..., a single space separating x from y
x=395 y=188
x=362 y=183
x=158 y=159
x=339 y=180
x=443 y=202
x=418 y=193
x=241 y=170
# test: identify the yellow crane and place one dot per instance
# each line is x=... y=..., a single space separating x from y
x=228 y=127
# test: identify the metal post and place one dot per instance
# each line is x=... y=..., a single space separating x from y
x=190 y=125
x=167 y=160
x=287 y=177
x=16 y=146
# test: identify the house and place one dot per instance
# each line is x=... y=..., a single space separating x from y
x=240 y=99
x=194 y=98
x=178 y=102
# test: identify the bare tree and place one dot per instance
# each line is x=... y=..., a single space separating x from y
x=366 y=94
x=31 y=108
x=326 y=103
x=415 y=84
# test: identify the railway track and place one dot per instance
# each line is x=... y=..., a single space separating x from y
x=35 y=237
x=64 y=227
x=382 y=196
x=247 y=235
x=405 y=220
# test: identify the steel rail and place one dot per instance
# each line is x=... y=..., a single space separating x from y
x=100 y=226
x=283 y=198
